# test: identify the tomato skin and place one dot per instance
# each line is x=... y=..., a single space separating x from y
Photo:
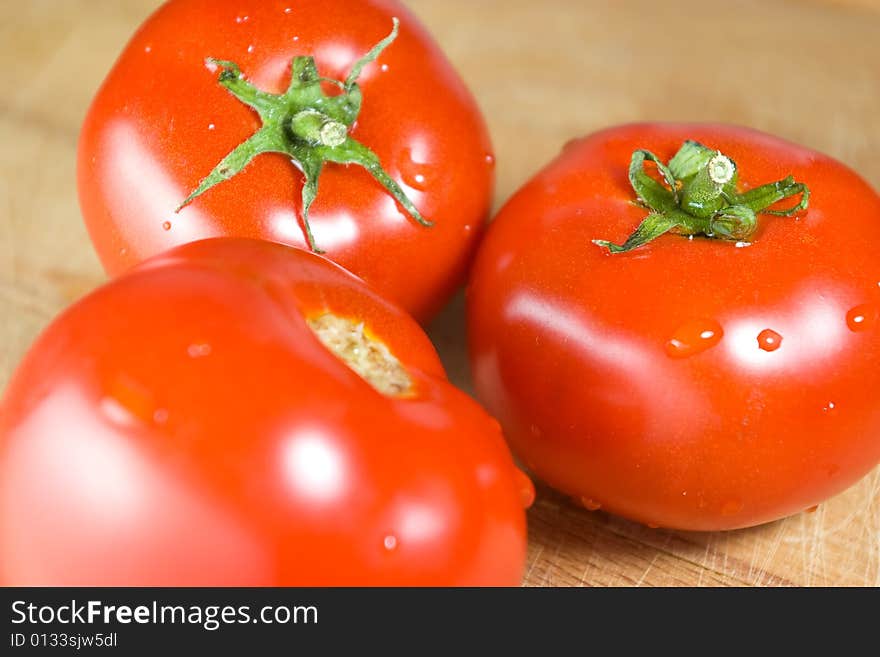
x=161 y=122
x=570 y=346
x=182 y=425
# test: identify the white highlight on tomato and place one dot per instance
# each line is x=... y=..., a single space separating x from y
x=314 y=465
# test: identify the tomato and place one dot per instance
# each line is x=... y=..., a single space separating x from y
x=182 y=96
x=687 y=382
x=184 y=425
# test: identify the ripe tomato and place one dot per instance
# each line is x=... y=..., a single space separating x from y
x=689 y=383
x=167 y=114
x=183 y=425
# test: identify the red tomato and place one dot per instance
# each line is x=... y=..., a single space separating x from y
x=183 y=425
x=162 y=122
x=689 y=383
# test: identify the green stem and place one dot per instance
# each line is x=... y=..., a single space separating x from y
x=700 y=197
x=317 y=129
x=308 y=126
x=704 y=195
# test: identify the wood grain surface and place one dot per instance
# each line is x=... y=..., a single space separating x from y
x=543 y=72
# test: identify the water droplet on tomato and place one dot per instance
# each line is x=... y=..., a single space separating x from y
x=526 y=488
x=242 y=18
x=812 y=509
x=862 y=317
x=590 y=504
x=652 y=525
x=490 y=159
x=115 y=411
x=296 y=38
x=128 y=401
x=287 y=10
x=829 y=407
x=468 y=228
x=198 y=350
x=731 y=507
x=694 y=337
x=250 y=48
x=413 y=172
x=148 y=49
x=211 y=126
x=390 y=542
x=384 y=68
x=166 y=225
x=769 y=340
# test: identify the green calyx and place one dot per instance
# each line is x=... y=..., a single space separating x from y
x=700 y=197
x=308 y=126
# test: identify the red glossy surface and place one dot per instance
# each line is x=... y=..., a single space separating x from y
x=182 y=425
x=645 y=382
x=161 y=122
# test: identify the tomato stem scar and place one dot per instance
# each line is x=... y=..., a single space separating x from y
x=700 y=197
x=308 y=126
x=368 y=356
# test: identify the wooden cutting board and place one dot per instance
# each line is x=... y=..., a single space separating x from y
x=543 y=73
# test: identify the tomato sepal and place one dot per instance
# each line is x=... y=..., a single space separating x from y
x=700 y=197
x=308 y=126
